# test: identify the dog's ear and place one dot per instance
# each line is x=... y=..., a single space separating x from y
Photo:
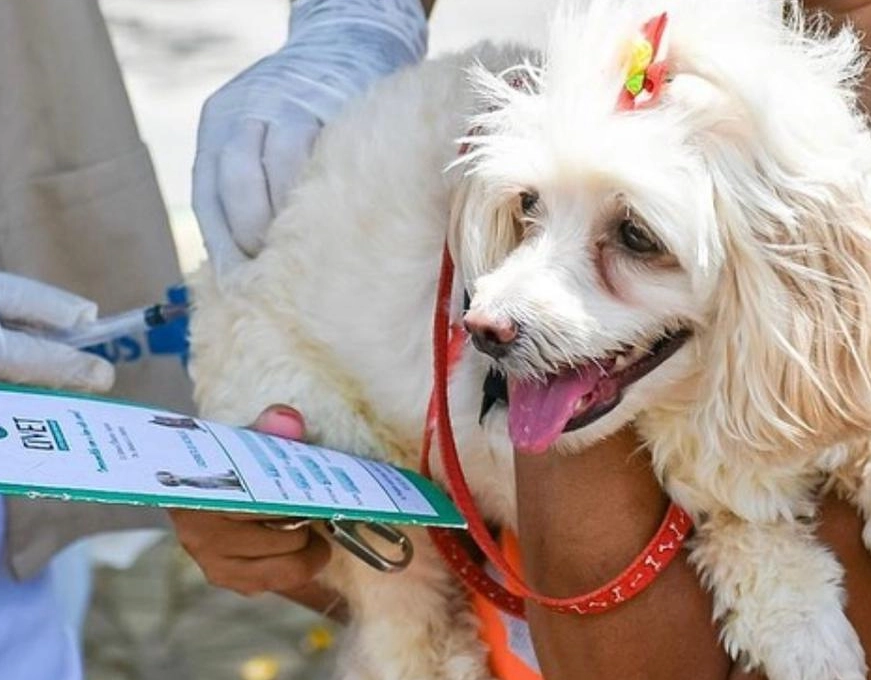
x=790 y=169
x=484 y=228
x=485 y=220
x=792 y=331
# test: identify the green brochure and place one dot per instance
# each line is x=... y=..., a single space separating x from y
x=84 y=448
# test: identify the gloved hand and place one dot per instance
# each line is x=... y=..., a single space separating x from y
x=257 y=130
x=25 y=358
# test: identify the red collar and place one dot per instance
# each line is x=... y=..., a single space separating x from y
x=448 y=344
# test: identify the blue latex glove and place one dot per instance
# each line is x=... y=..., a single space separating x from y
x=256 y=131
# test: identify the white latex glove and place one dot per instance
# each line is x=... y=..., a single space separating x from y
x=257 y=130
x=24 y=358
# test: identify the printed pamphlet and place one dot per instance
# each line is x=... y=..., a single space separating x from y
x=93 y=449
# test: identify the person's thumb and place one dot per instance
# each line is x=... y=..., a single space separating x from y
x=281 y=421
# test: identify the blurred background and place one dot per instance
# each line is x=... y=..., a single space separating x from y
x=157 y=618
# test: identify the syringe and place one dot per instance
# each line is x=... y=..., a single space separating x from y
x=108 y=328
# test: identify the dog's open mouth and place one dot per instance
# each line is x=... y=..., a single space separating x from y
x=539 y=411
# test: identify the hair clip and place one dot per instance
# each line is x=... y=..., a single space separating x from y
x=646 y=70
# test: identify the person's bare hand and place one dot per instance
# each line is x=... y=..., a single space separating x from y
x=240 y=552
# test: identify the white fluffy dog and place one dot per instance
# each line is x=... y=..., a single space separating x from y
x=701 y=266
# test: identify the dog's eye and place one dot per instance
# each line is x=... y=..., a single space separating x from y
x=528 y=201
x=637 y=239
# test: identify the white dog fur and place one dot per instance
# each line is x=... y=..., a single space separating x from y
x=751 y=173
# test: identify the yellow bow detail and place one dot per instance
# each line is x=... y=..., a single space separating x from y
x=640 y=58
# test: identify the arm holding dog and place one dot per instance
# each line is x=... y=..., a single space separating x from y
x=666 y=632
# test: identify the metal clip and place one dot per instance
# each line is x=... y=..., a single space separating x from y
x=347 y=534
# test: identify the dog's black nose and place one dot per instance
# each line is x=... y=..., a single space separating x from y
x=491 y=335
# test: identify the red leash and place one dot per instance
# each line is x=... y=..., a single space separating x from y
x=655 y=557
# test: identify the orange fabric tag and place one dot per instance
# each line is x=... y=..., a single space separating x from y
x=506 y=661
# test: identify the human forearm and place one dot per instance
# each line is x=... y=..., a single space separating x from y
x=664 y=633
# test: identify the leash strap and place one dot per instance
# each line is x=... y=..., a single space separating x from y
x=660 y=551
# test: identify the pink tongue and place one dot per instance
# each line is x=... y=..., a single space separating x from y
x=539 y=411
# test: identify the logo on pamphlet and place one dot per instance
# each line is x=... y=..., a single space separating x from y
x=40 y=435
x=3 y=433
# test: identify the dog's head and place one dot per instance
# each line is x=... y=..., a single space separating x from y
x=711 y=251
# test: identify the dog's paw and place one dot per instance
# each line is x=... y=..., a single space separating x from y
x=824 y=647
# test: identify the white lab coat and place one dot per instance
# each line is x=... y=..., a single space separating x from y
x=79 y=208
